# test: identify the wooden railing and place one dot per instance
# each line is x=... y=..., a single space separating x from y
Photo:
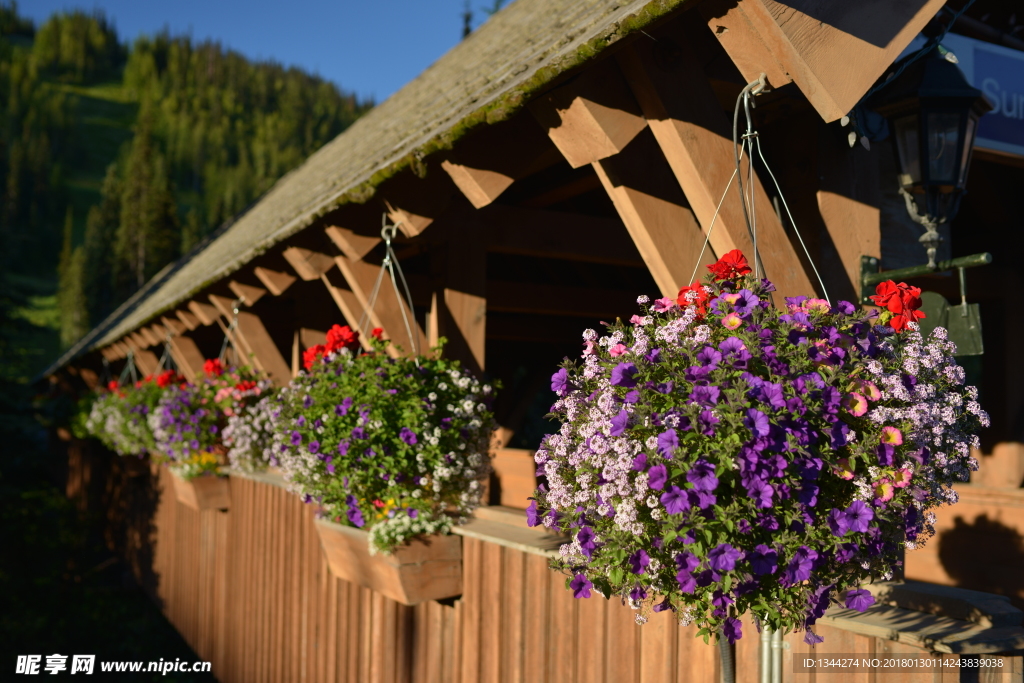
x=251 y=592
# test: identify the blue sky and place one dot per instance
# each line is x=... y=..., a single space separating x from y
x=372 y=48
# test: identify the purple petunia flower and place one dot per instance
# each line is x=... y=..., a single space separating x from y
x=638 y=561
x=709 y=356
x=687 y=584
x=702 y=476
x=532 y=516
x=657 y=476
x=296 y=438
x=631 y=397
x=619 y=423
x=307 y=402
x=812 y=639
x=653 y=356
x=732 y=630
x=756 y=422
x=763 y=560
x=585 y=536
x=838 y=523
x=858 y=516
x=702 y=500
x=705 y=394
x=675 y=500
x=668 y=441
x=723 y=557
x=687 y=561
x=580 y=586
x=624 y=375
x=355 y=516
x=408 y=436
x=706 y=422
x=859 y=600
x=412 y=512
x=358 y=433
x=560 y=382
x=314 y=447
x=747 y=302
x=343 y=448
x=639 y=463
x=799 y=568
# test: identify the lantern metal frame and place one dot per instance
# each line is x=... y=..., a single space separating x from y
x=933 y=115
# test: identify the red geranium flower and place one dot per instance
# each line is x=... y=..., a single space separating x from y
x=166 y=378
x=339 y=337
x=310 y=355
x=112 y=385
x=730 y=266
x=900 y=302
x=377 y=333
x=213 y=367
x=245 y=386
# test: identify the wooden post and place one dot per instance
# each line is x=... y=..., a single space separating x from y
x=696 y=139
x=833 y=51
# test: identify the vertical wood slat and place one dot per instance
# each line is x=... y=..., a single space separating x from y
x=250 y=590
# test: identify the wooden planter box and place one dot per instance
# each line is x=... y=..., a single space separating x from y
x=203 y=493
x=427 y=568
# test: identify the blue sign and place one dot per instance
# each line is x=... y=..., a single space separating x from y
x=999 y=73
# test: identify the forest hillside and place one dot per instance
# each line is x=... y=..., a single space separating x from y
x=116 y=159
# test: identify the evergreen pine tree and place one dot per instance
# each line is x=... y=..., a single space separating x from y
x=74 y=315
x=100 y=232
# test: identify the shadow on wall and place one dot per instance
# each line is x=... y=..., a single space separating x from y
x=985 y=555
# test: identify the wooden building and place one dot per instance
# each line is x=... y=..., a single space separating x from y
x=563 y=159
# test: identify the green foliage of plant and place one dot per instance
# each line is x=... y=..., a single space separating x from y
x=397 y=446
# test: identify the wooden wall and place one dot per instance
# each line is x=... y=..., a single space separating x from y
x=250 y=590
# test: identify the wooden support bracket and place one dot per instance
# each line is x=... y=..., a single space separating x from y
x=694 y=136
x=247 y=293
x=387 y=312
x=308 y=264
x=188 y=319
x=834 y=51
x=353 y=246
x=275 y=281
x=254 y=343
x=592 y=117
x=207 y=314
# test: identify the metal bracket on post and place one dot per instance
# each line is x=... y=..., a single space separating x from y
x=869 y=275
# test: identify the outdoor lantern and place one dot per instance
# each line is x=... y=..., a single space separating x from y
x=933 y=116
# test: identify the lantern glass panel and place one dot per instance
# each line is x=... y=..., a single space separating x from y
x=968 y=146
x=909 y=150
x=943 y=133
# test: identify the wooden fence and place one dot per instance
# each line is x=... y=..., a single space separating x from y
x=251 y=592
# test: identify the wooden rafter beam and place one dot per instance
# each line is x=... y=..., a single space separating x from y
x=207 y=314
x=485 y=165
x=307 y=264
x=247 y=293
x=145 y=360
x=275 y=281
x=351 y=244
x=834 y=51
x=187 y=318
x=694 y=136
x=413 y=203
x=592 y=117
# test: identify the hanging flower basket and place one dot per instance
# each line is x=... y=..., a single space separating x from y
x=190 y=419
x=718 y=456
x=423 y=568
x=206 y=492
x=394 y=446
x=119 y=416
